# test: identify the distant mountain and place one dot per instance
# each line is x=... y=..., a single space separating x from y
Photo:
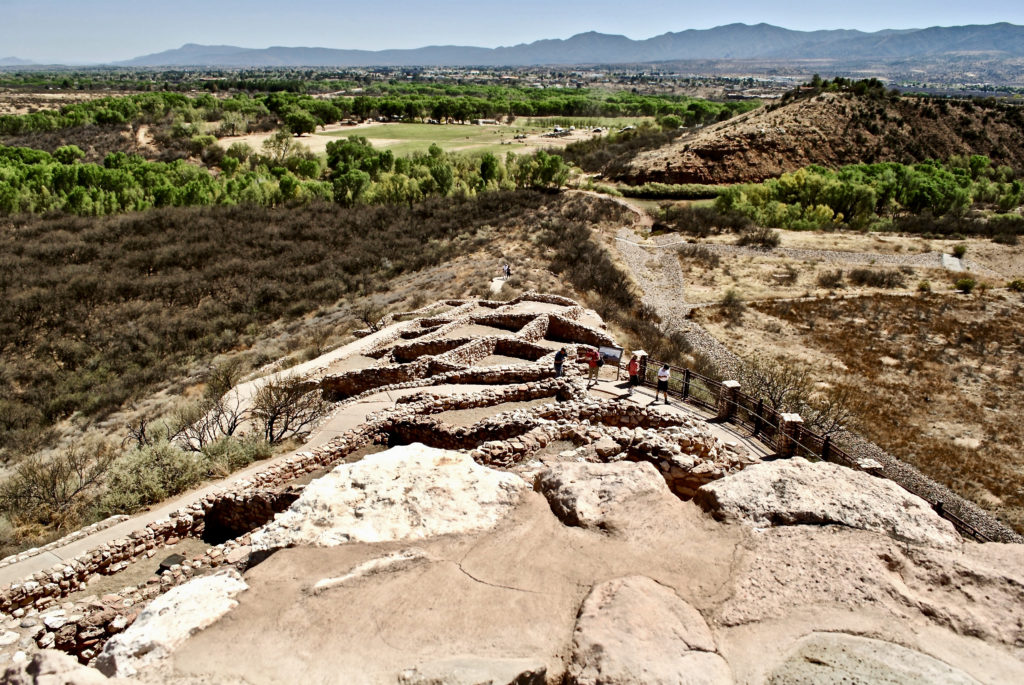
x=734 y=41
x=14 y=62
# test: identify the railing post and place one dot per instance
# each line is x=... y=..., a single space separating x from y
x=686 y=384
x=826 y=447
x=727 y=395
x=757 y=417
x=785 y=441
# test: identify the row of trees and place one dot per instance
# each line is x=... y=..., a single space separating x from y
x=33 y=181
x=302 y=113
x=864 y=194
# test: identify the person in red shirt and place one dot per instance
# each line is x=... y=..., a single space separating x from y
x=594 y=365
x=633 y=369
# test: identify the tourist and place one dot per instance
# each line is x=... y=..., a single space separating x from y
x=633 y=369
x=593 y=364
x=663 y=375
x=559 y=361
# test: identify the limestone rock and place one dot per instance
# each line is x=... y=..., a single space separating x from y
x=170 y=620
x=633 y=630
x=51 y=667
x=824 y=658
x=474 y=670
x=587 y=495
x=795 y=491
x=406 y=493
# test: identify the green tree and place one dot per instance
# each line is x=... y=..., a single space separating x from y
x=300 y=121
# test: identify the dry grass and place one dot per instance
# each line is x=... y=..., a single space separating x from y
x=938 y=379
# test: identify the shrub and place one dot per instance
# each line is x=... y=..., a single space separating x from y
x=831 y=279
x=230 y=454
x=924 y=287
x=149 y=475
x=760 y=236
x=876 y=278
x=1016 y=285
x=286 y=407
x=700 y=253
x=732 y=306
x=966 y=285
x=959 y=251
x=56 y=492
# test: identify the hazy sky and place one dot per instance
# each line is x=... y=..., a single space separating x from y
x=106 y=30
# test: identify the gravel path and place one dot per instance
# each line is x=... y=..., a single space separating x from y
x=661 y=278
x=927 y=260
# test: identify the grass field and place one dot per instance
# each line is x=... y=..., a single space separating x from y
x=405 y=139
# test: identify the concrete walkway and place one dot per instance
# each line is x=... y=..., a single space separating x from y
x=644 y=396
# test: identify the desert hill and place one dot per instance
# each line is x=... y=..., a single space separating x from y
x=834 y=129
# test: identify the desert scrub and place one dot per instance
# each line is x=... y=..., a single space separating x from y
x=148 y=475
x=965 y=285
x=228 y=454
x=831 y=280
x=876 y=278
x=760 y=236
x=700 y=254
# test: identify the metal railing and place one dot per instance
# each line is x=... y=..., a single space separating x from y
x=766 y=425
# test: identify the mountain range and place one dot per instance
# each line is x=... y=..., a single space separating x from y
x=733 y=41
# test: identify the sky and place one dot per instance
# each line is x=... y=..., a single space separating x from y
x=89 y=31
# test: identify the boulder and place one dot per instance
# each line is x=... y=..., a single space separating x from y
x=588 y=494
x=169 y=620
x=633 y=630
x=51 y=667
x=406 y=493
x=795 y=491
x=825 y=658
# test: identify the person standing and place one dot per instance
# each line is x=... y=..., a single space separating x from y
x=559 y=362
x=593 y=359
x=664 y=373
x=633 y=369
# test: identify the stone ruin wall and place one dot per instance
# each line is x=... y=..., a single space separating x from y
x=619 y=432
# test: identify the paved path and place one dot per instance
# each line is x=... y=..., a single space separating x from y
x=644 y=396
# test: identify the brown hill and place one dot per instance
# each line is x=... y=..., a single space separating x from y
x=833 y=129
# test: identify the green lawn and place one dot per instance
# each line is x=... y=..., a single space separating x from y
x=404 y=139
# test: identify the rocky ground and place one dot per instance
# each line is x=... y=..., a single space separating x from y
x=596 y=575
x=650 y=551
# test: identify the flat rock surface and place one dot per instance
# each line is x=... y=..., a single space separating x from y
x=839 y=659
x=169 y=620
x=590 y=495
x=633 y=630
x=406 y=493
x=474 y=671
x=795 y=491
x=511 y=592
